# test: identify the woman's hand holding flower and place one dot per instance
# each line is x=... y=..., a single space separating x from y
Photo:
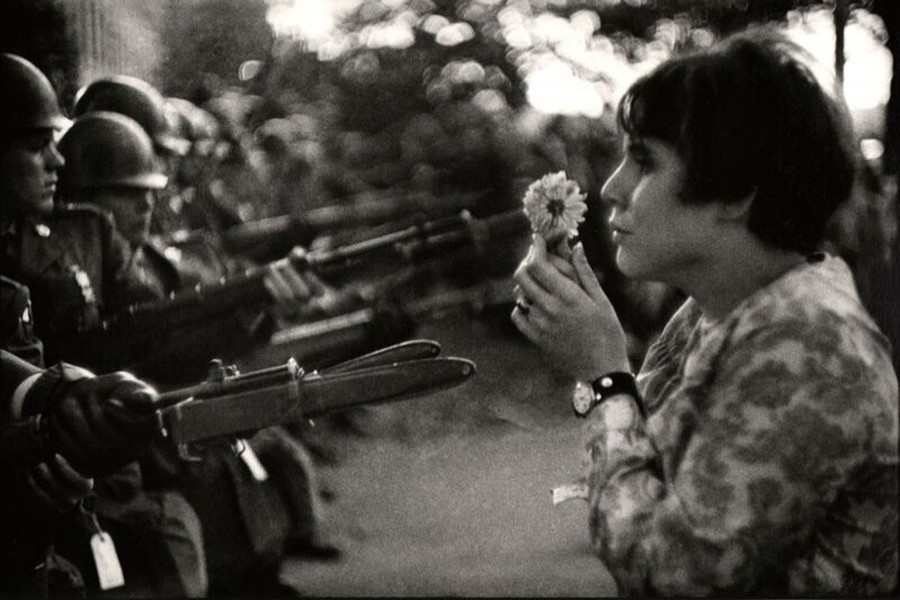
x=571 y=321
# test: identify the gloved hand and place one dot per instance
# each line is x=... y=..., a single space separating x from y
x=99 y=424
x=53 y=487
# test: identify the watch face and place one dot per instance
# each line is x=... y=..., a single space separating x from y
x=583 y=398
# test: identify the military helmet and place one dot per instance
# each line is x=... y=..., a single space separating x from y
x=177 y=111
x=104 y=149
x=133 y=98
x=28 y=100
x=197 y=125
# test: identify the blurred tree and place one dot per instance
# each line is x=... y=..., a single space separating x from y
x=885 y=303
x=208 y=40
x=889 y=11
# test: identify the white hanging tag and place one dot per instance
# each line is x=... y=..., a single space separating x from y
x=109 y=570
x=252 y=461
x=573 y=491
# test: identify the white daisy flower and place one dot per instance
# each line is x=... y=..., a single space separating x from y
x=555 y=206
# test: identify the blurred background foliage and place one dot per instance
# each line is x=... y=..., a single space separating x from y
x=353 y=98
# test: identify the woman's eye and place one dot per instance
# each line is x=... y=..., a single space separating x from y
x=644 y=162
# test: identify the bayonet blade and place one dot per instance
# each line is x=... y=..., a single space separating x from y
x=402 y=352
x=247 y=410
x=389 y=383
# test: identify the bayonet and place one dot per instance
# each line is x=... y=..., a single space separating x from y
x=229 y=403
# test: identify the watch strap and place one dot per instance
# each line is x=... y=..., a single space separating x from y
x=612 y=384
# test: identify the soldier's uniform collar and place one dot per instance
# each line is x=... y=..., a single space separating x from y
x=35 y=224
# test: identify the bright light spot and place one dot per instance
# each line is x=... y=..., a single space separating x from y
x=517 y=36
x=303 y=19
x=867 y=66
x=555 y=89
x=463 y=71
x=867 y=70
x=434 y=23
x=249 y=69
x=585 y=22
x=510 y=16
x=455 y=34
x=552 y=28
x=390 y=35
x=490 y=101
x=872 y=149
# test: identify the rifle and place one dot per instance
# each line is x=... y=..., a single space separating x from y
x=271 y=237
x=125 y=336
x=233 y=405
x=332 y=338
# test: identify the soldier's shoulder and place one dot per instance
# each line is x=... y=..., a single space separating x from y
x=77 y=212
x=11 y=284
x=13 y=295
x=78 y=209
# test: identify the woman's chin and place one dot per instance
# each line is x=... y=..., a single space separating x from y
x=628 y=265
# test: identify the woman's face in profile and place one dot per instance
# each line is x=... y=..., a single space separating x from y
x=657 y=235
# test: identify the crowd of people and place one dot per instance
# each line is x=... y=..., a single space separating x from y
x=709 y=472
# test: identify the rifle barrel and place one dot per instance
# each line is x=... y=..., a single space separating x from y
x=187 y=308
x=300 y=229
x=426 y=239
x=262 y=378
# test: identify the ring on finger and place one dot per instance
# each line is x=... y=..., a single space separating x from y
x=523 y=305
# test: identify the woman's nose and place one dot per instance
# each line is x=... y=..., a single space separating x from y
x=613 y=191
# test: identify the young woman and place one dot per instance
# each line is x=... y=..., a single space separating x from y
x=756 y=450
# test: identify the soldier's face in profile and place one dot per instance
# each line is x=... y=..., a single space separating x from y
x=131 y=208
x=29 y=164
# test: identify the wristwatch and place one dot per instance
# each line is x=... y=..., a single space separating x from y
x=589 y=395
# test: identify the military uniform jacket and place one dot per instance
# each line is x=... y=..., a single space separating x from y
x=17 y=322
x=79 y=270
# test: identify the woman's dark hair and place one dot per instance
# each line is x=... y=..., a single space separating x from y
x=749 y=117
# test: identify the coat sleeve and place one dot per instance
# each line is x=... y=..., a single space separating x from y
x=760 y=452
x=14 y=371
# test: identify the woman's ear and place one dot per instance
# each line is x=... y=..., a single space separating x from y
x=737 y=211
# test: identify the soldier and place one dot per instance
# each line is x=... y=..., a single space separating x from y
x=142 y=102
x=78 y=269
x=17 y=326
x=195 y=172
x=109 y=163
x=60 y=427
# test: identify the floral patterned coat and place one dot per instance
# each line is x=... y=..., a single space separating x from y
x=768 y=461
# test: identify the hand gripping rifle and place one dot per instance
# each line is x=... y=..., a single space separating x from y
x=125 y=337
x=232 y=405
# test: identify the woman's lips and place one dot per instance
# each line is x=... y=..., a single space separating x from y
x=618 y=233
